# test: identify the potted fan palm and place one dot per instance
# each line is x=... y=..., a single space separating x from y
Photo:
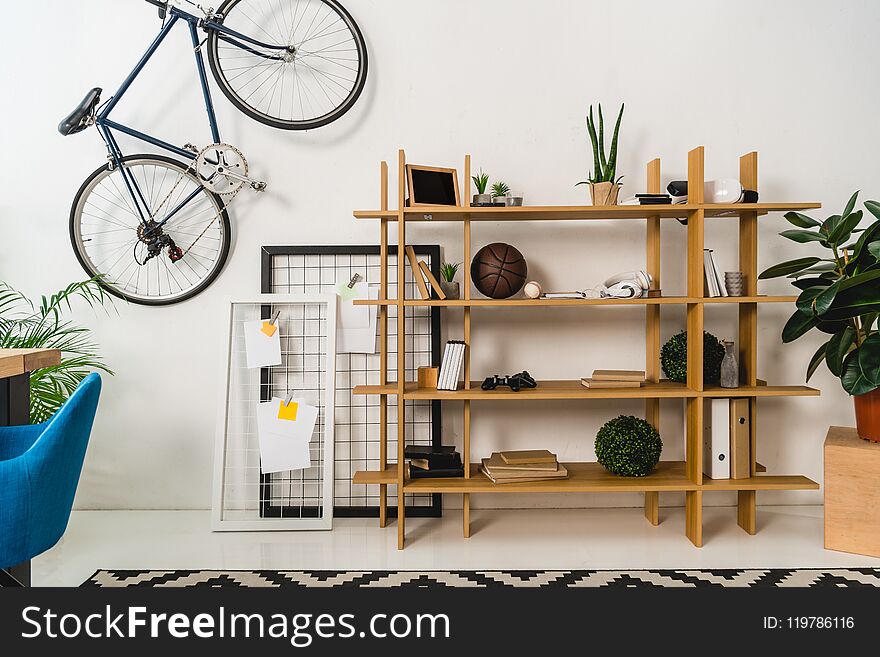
x=840 y=297
x=603 y=181
x=25 y=325
x=448 y=283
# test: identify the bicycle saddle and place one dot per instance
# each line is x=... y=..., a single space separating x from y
x=79 y=119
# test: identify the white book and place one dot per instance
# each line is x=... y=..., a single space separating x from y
x=449 y=378
x=711 y=282
x=444 y=365
x=716 y=438
x=459 y=363
x=722 y=288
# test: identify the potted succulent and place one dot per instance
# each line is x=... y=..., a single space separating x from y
x=481 y=182
x=447 y=280
x=500 y=190
x=840 y=296
x=603 y=181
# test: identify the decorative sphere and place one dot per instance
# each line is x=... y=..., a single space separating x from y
x=533 y=290
x=628 y=446
x=673 y=358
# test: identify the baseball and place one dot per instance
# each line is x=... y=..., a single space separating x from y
x=533 y=290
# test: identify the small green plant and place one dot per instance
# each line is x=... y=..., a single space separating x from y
x=604 y=168
x=449 y=270
x=24 y=325
x=840 y=294
x=500 y=189
x=673 y=358
x=628 y=446
x=481 y=182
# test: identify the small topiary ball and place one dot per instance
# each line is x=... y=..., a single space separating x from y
x=673 y=358
x=628 y=446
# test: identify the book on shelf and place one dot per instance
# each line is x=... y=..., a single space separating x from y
x=417 y=273
x=443 y=458
x=507 y=477
x=450 y=368
x=716 y=438
x=715 y=286
x=418 y=473
x=500 y=465
x=619 y=375
x=432 y=280
x=592 y=384
x=518 y=457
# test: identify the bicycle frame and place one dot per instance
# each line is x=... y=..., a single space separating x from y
x=105 y=125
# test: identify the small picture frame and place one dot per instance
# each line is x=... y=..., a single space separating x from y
x=432 y=185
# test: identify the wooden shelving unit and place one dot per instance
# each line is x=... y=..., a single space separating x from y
x=670 y=476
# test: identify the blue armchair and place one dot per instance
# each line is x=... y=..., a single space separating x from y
x=40 y=465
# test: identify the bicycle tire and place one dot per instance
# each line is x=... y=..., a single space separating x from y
x=75 y=235
x=276 y=122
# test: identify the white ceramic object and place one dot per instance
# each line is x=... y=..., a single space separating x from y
x=724 y=190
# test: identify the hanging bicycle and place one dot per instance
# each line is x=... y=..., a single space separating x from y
x=155 y=228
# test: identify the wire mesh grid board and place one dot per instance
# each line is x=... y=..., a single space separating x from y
x=244 y=497
x=317 y=269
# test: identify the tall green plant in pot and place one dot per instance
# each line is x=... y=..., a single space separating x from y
x=603 y=181
x=840 y=297
x=25 y=324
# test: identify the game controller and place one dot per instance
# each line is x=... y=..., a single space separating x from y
x=515 y=382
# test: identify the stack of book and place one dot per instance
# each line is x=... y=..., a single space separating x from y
x=450 y=367
x=529 y=465
x=430 y=462
x=614 y=379
x=714 y=283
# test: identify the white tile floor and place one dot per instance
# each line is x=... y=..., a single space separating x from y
x=787 y=537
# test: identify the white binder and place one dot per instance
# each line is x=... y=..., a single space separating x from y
x=716 y=438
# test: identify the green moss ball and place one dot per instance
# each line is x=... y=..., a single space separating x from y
x=673 y=358
x=628 y=446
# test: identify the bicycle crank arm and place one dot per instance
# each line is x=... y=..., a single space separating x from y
x=256 y=185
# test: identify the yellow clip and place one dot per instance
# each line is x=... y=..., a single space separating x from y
x=288 y=411
x=269 y=329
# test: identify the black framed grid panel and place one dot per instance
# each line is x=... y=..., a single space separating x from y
x=311 y=269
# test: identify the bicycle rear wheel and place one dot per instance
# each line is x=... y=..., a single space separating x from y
x=110 y=240
x=314 y=80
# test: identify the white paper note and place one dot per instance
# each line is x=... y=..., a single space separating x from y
x=262 y=350
x=284 y=444
x=356 y=325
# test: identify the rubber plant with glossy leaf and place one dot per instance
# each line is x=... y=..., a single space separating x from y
x=840 y=296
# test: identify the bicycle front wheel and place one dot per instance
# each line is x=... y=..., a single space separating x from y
x=121 y=214
x=313 y=75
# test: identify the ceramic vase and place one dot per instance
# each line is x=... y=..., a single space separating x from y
x=604 y=193
x=729 y=367
x=450 y=289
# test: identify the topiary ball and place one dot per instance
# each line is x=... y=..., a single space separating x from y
x=673 y=358
x=628 y=446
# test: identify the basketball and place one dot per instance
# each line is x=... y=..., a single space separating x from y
x=499 y=271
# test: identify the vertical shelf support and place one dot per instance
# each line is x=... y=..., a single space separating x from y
x=383 y=346
x=695 y=245
x=748 y=331
x=401 y=347
x=466 y=449
x=652 y=328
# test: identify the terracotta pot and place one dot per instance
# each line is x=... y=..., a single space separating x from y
x=604 y=193
x=868 y=415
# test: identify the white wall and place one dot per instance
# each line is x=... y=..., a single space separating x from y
x=509 y=82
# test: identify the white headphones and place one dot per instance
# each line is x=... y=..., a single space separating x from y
x=626 y=285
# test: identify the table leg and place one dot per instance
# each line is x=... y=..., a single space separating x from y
x=15 y=410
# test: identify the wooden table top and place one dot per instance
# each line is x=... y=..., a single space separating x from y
x=18 y=361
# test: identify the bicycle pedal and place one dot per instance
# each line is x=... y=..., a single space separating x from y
x=258 y=186
x=190 y=147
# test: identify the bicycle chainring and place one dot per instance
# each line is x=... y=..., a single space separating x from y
x=222 y=169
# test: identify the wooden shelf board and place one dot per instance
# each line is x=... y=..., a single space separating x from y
x=369 y=477
x=578 y=212
x=761 y=391
x=588 y=477
x=574 y=390
x=547 y=303
x=553 y=390
x=583 y=477
x=761 y=482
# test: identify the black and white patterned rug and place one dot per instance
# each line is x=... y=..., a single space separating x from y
x=771 y=577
